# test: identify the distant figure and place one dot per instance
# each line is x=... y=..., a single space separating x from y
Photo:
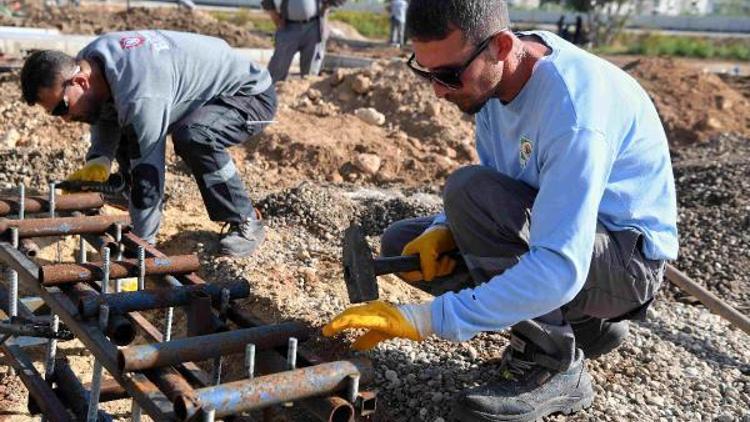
x=561 y=28
x=398 y=21
x=300 y=27
x=579 y=36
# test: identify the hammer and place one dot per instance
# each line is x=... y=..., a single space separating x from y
x=360 y=268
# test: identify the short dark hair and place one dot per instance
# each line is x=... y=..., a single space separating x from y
x=41 y=70
x=433 y=20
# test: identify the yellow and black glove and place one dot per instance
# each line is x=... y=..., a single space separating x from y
x=383 y=321
x=431 y=247
x=95 y=170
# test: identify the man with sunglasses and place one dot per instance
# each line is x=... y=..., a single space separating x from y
x=135 y=88
x=564 y=227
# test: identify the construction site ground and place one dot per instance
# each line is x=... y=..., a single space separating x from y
x=374 y=145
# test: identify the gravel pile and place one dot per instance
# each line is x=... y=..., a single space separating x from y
x=713 y=193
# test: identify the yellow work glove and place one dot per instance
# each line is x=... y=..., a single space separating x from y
x=95 y=170
x=383 y=321
x=430 y=246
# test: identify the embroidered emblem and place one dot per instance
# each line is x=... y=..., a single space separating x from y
x=525 y=148
x=128 y=43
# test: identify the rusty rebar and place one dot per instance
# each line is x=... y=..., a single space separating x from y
x=54 y=274
x=194 y=349
x=39 y=204
x=245 y=395
x=62 y=226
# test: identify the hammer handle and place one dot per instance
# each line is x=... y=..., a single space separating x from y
x=396 y=264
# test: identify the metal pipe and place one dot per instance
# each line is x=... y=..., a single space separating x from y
x=268 y=390
x=73 y=392
x=250 y=360
x=54 y=274
x=142 y=268
x=29 y=248
x=52 y=200
x=51 y=349
x=21 y=202
x=168 y=324
x=46 y=227
x=120 y=330
x=710 y=300
x=39 y=204
x=96 y=380
x=194 y=349
x=331 y=409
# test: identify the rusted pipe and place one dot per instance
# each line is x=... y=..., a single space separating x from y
x=245 y=395
x=194 y=349
x=710 y=300
x=120 y=330
x=73 y=392
x=54 y=274
x=29 y=248
x=143 y=300
x=38 y=204
x=44 y=227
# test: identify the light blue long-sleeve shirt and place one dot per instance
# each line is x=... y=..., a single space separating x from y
x=587 y=136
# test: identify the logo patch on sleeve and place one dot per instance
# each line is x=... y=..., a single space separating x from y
x=525 y=149
x=130 y=42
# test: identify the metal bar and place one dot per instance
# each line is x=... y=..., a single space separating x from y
x=73 y=392
x=46 y=227
x=144 y=390
x=21 y=202
x=54 y=274
x=245 y=395
x=331 y=409
x=158 y=298
x=199 y=316
x=710 y=300
x=41 y=392
x=39 y=204
x=96 y=377
x=120 y=329
x=194 y=349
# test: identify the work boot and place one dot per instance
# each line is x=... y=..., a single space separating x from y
x=242 y=239
x=532 y=386
x=597 y=337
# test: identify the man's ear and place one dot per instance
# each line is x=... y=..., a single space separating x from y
x=502 y=45
x=81 y=80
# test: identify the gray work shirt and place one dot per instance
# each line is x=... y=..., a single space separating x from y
x=398 y=10
x=158 y=77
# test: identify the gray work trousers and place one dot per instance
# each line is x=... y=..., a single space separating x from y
x=489 y=216
x=305 y=38
x=201 y=139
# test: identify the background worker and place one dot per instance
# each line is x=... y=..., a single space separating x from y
x=300 y=27
x=134 y=88
x=398 y=21
x=565 y=226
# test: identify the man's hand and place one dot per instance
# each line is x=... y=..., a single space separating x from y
x=95 y=170
x=430 y=246
x=278 y=21
x=383 y=321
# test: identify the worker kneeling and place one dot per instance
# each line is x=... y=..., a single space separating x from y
x=564 y=229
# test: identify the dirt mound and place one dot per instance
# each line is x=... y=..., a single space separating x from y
x=693 y=105
x=378 y=124
x=91 y=20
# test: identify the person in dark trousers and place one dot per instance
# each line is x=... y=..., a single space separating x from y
x=134 y=88
x=301 y=27
x=563 y=229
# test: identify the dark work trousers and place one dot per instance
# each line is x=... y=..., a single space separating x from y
x=202 y=139
x=489 y=216
x=305 y=38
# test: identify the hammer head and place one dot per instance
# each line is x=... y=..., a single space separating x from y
x=359 y=267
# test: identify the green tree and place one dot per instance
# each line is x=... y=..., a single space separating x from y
x=606 y=18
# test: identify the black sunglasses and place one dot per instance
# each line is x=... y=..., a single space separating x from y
x=61 y=109
x=449 y=77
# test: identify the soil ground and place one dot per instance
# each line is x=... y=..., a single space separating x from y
x=329 y=160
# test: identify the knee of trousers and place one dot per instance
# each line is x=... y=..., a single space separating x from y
x=461 y=183
x=392 y=242
x=185 y=139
